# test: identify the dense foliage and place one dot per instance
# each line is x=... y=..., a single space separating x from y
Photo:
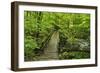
x=74 y=34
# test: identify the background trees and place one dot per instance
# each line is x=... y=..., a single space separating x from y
x=74 y=32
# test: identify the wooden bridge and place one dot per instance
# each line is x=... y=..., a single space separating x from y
x=50 y=47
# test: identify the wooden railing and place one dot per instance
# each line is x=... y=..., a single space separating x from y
x=44 y=43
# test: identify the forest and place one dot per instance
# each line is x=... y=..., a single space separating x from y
x=69 y=33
